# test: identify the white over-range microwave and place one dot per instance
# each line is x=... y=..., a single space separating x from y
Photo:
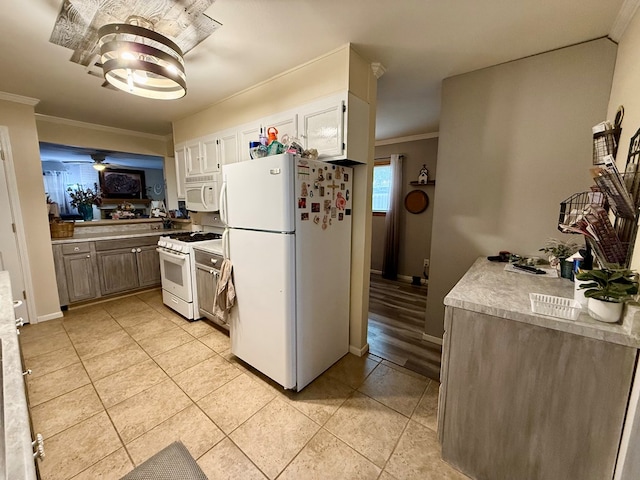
x=201 y=193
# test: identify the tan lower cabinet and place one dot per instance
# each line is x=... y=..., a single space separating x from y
x=88 y=270
x=148 y=261
x=118 y=270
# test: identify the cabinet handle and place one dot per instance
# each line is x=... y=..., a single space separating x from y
x=138 y=250
x=88 y=256
x=38 y=444
x=76 y=249
x=27 y=372
x=214 y=260
x=17 y=303
x=133 y=250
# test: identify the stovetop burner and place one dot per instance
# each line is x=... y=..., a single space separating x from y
x=195 y=236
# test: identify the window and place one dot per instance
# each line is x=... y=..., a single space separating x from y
x=381 y=188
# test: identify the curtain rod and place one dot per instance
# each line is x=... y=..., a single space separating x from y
x=387 y=157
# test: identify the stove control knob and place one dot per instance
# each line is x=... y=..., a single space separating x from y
x=162 y=243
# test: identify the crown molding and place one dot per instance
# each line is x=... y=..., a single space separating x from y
x=102 y=128
x=10 y=97
x=410 y=138
x=624 y=17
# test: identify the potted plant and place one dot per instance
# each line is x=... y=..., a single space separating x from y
x=558 y=252
x=607 y=290
x=84 y=200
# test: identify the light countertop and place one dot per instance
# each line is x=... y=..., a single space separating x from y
x=487 y=288
x=15 y=416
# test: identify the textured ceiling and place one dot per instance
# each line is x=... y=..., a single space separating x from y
x=420 y=42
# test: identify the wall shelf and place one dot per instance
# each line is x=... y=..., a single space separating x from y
x=417 y=184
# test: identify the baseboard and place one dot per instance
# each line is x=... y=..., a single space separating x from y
x=403 y=278
x=50 y=316
x=359 y=351
x=432 y=339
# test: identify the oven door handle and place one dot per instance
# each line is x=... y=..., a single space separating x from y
x=171 y=255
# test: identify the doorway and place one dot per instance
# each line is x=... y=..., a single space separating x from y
x=13 y=257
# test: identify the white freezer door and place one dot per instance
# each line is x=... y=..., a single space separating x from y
x=259 y=194
x=262 y=323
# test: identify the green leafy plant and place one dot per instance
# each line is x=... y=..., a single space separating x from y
x=560 y=249
x=85 y=196
x=609 y=284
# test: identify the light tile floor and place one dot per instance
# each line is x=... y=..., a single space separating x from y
x=113 y=383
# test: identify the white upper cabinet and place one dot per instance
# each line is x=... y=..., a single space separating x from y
x=228 y=147
x=181 y=169
x=337 y=126
x=246 y=134
x=202 y=156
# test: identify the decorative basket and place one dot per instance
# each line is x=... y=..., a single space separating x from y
x=555 y=306
x=60 y=229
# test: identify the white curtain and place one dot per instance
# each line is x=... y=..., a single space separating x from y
x=55 y=185
x=392 y=222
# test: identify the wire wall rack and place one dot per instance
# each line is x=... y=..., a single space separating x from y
x=607 y=215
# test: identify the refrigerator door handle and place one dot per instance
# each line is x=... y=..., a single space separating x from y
x=223 y=203
x=225 y=246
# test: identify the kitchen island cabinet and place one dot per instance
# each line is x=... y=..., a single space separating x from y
x=530 y=396
x=86 y=270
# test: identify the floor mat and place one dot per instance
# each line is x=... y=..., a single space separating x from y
x=170 y=463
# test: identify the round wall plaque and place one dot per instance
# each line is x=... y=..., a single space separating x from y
x=416 y=201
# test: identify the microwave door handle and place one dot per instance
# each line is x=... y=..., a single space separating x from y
x=203 y=196
x=223 y=203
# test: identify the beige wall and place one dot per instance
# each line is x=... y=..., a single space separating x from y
x=515 y=140
x=340 y=70
x=415 y=229
x=77 y=134
x=624 y=91
x=23 y=136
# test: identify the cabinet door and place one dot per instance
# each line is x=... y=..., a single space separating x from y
x=246 y=134
x=321 y=126
x=148 y=266
x=286 y=124
x=206 y=281
x=181 y=170
x=210 y=155
x=193 y=158
x=228 y=145
x=118 y=270
x=79 y=273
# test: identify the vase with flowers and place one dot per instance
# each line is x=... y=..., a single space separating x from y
x=84 y=199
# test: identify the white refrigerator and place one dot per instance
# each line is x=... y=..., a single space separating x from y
x=289 y=238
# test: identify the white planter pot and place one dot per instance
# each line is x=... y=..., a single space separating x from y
x=609 y=312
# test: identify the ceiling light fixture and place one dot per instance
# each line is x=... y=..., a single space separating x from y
x=142 y=62
x=99 y=166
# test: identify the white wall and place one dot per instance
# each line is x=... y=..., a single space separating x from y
x=515 y=140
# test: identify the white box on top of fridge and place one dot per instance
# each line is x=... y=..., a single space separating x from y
x=289 y=239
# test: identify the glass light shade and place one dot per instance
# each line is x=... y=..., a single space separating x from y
x=99 y=166
x=142 y=62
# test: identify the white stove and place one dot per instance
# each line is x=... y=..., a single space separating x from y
x=177 y=266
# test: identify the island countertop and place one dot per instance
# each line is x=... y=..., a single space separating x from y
x=18 y=453
x=487 y=288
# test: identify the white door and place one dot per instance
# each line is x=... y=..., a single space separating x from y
x=259 y=194
x=262 y=323
x=10 y=255
x=193 y=158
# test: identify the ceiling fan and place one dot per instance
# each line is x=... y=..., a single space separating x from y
x=99 y=161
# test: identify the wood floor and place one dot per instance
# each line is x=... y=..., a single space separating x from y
x=396 y=324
